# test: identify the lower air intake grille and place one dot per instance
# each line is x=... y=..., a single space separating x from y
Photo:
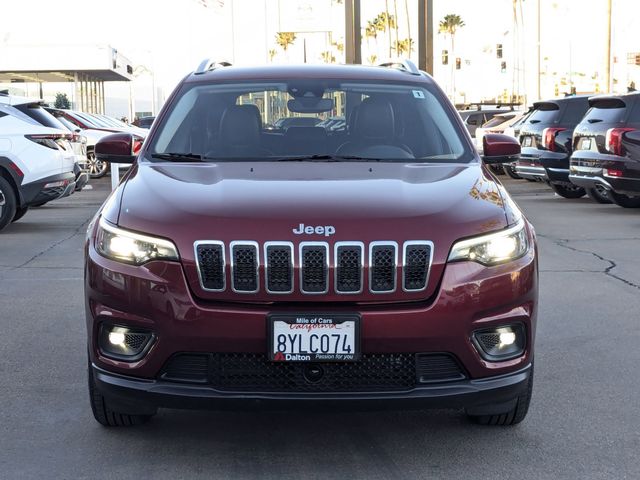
x=437 y=367
x=187 y=367
x=211 y=265
x=383 y=268
x=252 y=372
x=416 y=266
x=314 y=268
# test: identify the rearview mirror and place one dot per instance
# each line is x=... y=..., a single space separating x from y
x=119 y=148
x=310 y=105
x=498 y=148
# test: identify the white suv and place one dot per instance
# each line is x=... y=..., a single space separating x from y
x=36 y=162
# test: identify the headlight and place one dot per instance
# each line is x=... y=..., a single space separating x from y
x=128 y=247
x=493 y=248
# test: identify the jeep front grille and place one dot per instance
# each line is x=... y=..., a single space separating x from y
x=315 y=261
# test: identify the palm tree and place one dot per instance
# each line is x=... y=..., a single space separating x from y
x=285 y=39
x=328 y=57
x=372 y=59
x=403 y=46
x=272 y=53
x=449 y=25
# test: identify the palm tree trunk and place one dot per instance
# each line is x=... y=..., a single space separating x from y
x=395 y=16
x=406 y=9
x=386 y=9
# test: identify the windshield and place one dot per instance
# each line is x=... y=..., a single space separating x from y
x=324 y=118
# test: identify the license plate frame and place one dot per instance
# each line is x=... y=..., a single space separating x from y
x=310 y=319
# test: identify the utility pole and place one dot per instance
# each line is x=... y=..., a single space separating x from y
x=425 y=36
x=539 y=91
x=353 y=34
x=608 y=69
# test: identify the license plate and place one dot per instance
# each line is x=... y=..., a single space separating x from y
x=585 y=144
x=314 y=338
x=526 y=142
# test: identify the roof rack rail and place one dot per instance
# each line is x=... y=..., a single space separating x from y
x=405 y=64
x=209 y=64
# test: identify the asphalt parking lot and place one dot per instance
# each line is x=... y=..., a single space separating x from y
x=583 y=421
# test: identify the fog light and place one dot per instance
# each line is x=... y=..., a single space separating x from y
x=123 y=343
x=116 y=338
x=500 y=343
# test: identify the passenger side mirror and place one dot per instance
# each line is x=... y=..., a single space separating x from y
x=119 y=148
x=498 y=148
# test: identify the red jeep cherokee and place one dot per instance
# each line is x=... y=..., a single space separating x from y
x=241 y=263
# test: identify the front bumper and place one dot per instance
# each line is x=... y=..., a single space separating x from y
x=487 y=396
x=156 y=297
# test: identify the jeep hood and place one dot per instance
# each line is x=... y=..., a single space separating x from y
x=262 y=202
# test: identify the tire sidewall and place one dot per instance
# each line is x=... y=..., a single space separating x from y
x=10 y=206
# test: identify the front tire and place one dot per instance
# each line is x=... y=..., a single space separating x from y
x=599 y=194
x=568 y=191
x=624 y=200
x=105 y=415
x=513 y=416
x=8 y=203
x=20 y=212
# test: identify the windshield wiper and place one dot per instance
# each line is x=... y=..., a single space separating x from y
x=325 y=158
x=178 y=157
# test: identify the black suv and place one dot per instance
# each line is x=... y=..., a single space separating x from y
x=546 y=143
x=606 y=148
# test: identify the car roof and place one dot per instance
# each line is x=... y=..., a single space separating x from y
x=306 y=71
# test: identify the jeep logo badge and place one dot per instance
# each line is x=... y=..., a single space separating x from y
x=326 y=230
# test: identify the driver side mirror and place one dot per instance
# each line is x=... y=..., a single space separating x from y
x=498 y=148
x=119 y=148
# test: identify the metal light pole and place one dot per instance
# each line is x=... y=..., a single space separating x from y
x=608 y=67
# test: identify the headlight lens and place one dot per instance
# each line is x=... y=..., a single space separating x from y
x=494 y=248
x=128 y=247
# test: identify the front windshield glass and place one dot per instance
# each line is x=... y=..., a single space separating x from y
x=305 y=118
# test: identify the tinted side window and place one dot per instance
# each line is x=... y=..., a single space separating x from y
x=635 y=113
x=606 y=115
x=40 y=115
x=574 y=111
x=544 y=116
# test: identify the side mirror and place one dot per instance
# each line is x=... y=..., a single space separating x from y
x=498 y=148
x=119 y=148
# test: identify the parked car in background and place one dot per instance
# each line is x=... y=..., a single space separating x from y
x=36 y=162
x=545 y=138
x=145 y=122
x=606 y=150
x=286 y=122
x=473 y=119
x=513 y=130
x=498 y=124
x=92 y=132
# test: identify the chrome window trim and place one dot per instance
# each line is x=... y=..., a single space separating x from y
x=198 y=243
x=250 y=243
x=301 y=245
x=409 y=243
x=266 y=266
x=381 y=243
x=335 y=266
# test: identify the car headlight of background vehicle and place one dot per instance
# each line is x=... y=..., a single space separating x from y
x=129 y=247
x=494 y=248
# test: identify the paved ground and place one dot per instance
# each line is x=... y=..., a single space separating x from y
x=584 y=421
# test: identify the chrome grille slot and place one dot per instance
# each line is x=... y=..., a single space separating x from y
x=211 y=262
x=314 y=267
x=244 y=266
x=382 y=266
x=278 y=257
x=416 y=262
x=348 y=267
